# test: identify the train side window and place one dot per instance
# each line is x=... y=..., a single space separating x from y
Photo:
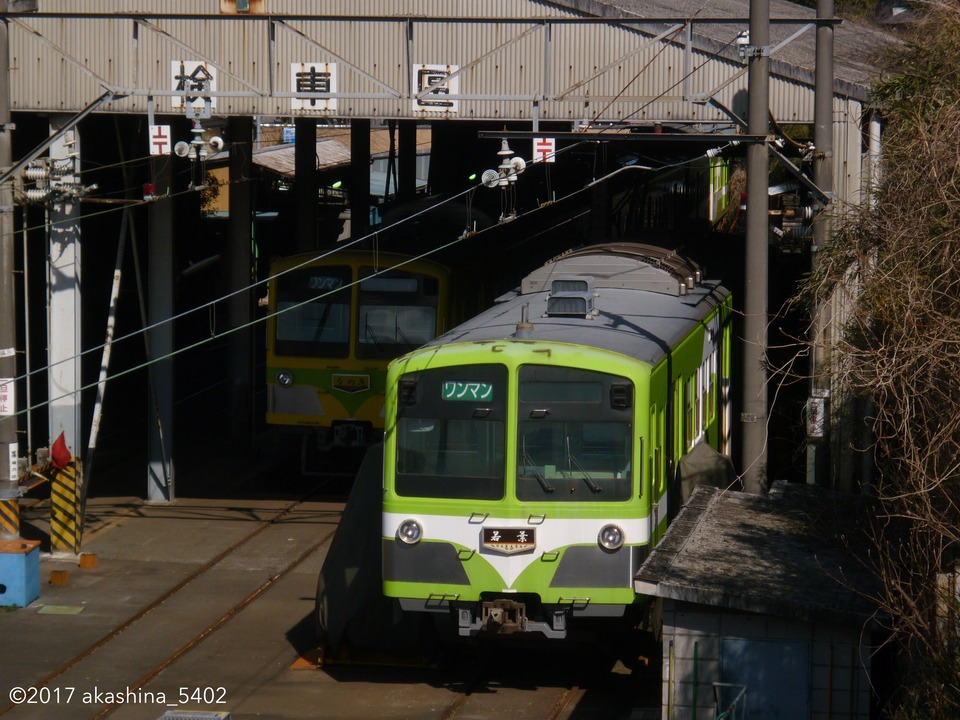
x=712 y=387
x=653 y=436
x=701 y=402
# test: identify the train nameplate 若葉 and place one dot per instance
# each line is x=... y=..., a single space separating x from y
x=509 y=541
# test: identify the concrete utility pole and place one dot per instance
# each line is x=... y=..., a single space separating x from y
x=818 y=447
x=160 y=251
x=754 y=415
x=64 y=316
x=9 y=473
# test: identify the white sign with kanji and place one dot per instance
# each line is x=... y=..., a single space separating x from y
x=8 y=397
x=160 y=140
x=545 y=149
x=436 y=80
x=191 y=77
x=316 y=77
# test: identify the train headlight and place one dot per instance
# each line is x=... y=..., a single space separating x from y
x=410 y=532
x=285 y=378
x=611 y=537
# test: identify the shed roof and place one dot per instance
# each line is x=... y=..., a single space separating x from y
x=792 y=553
x=333 y=150
x=858 y=47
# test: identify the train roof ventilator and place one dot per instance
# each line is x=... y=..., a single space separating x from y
x=572 y=296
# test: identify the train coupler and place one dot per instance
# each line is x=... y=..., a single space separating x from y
x=507 y=617
x=351 y=434
x=503 y=617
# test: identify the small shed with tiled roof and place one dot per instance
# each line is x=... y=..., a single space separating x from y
x=766 y=607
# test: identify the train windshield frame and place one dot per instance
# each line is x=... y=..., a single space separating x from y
x=574 y=435
x=397 y=312
x=447 y=446
x=313 y=312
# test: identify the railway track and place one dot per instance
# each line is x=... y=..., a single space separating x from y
x=545 y=682
x=234 y=625
x=128 y=639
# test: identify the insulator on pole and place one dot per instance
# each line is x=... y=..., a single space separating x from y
x=60 y=168
x=36 y=172
x=37 y=195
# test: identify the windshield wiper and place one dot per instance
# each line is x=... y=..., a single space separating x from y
x=368 y=331
x=572 y=463
x=528 y=462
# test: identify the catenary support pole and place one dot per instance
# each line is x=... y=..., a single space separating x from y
x=64 y=289
x=818 y=449
x=160 y=253
x=9 y=473
x=754 y=414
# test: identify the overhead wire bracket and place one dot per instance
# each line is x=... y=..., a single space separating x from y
x=108 y=96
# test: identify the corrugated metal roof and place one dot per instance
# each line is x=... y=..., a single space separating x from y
x=511 y=60
x=857 y=46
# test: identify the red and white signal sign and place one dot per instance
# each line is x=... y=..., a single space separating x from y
x=545 y=149
x=159 y=139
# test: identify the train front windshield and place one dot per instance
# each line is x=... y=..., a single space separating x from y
x=573 y=435
x=398 y=312
x=450 y=433
x=574 y=430
x=313 y=312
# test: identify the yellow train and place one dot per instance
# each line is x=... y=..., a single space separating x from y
x=335 y=321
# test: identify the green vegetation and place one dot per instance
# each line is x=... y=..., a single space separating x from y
x=898 y=263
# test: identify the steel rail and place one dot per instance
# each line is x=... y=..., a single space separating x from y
x=139 y=615
x=216 y=624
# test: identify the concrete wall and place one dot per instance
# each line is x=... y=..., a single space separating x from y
x=815 y=671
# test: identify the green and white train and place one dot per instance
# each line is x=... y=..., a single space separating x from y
x=531 y=453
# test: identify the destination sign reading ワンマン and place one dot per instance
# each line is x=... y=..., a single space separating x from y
x=467 y=390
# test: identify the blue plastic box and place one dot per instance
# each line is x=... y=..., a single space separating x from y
x=19 y=572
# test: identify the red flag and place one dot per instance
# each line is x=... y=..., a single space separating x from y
x=59 y=453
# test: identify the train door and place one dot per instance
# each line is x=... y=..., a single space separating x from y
x=658 y=470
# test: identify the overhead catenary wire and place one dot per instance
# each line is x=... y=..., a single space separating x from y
x=222 y=298
x=663 y=46
x=212 y=303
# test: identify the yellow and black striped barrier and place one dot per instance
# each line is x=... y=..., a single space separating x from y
x=9 y=518
x=65 y=526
